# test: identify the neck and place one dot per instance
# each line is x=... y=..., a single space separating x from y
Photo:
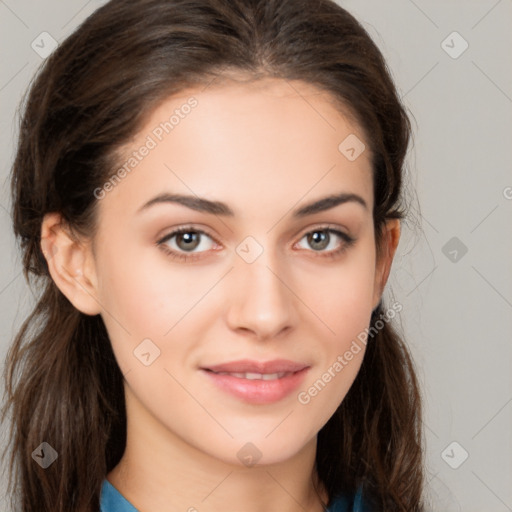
x=160 y=472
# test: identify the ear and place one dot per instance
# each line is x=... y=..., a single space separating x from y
x=390 y=237
x=70 y=263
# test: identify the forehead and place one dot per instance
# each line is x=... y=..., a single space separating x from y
x=274 y=139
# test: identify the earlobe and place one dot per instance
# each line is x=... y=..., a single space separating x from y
x=69 y=264
x=389 y=244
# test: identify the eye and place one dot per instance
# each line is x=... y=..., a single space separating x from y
x=328 y=240
x=182 y=243
x=185 y=240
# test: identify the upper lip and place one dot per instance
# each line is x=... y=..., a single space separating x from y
x=250 y=366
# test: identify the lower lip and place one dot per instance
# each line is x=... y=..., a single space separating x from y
x=258 y=391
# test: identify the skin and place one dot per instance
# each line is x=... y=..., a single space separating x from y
x=265 y=149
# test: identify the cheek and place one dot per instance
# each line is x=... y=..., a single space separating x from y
x=342 y=300
x=143 y=297
x=142 y=291
x=341 y=295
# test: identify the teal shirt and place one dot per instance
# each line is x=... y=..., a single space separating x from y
x=113 y=501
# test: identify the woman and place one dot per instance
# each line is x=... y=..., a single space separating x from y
x=209 y=193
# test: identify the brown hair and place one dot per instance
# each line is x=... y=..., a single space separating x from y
x=63 y=384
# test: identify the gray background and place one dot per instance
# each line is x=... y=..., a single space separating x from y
x=456 y=305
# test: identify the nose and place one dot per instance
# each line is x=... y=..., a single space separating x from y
x=261 y=299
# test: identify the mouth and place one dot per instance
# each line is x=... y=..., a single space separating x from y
x=255 y=376
x=257 y=382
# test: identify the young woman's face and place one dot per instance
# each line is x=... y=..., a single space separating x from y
x=258 y=279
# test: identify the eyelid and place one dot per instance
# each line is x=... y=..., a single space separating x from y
x=323 y=227
x=347 y=240
x=192 y=227
x=184 y=229
x=182 y=256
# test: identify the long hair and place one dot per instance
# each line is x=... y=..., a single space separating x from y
x=63 y=385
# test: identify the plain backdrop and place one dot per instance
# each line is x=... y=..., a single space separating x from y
x=453 y=274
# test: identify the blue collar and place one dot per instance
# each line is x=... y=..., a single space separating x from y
x=113 y=501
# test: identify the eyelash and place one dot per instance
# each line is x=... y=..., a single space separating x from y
x=348 y=242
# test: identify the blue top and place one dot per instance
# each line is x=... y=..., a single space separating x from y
x=113 y=501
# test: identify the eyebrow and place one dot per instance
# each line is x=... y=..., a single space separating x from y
x=218 y=208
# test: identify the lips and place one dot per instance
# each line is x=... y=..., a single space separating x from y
x=258 y=367
x=257 y=382
x=256 y=376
